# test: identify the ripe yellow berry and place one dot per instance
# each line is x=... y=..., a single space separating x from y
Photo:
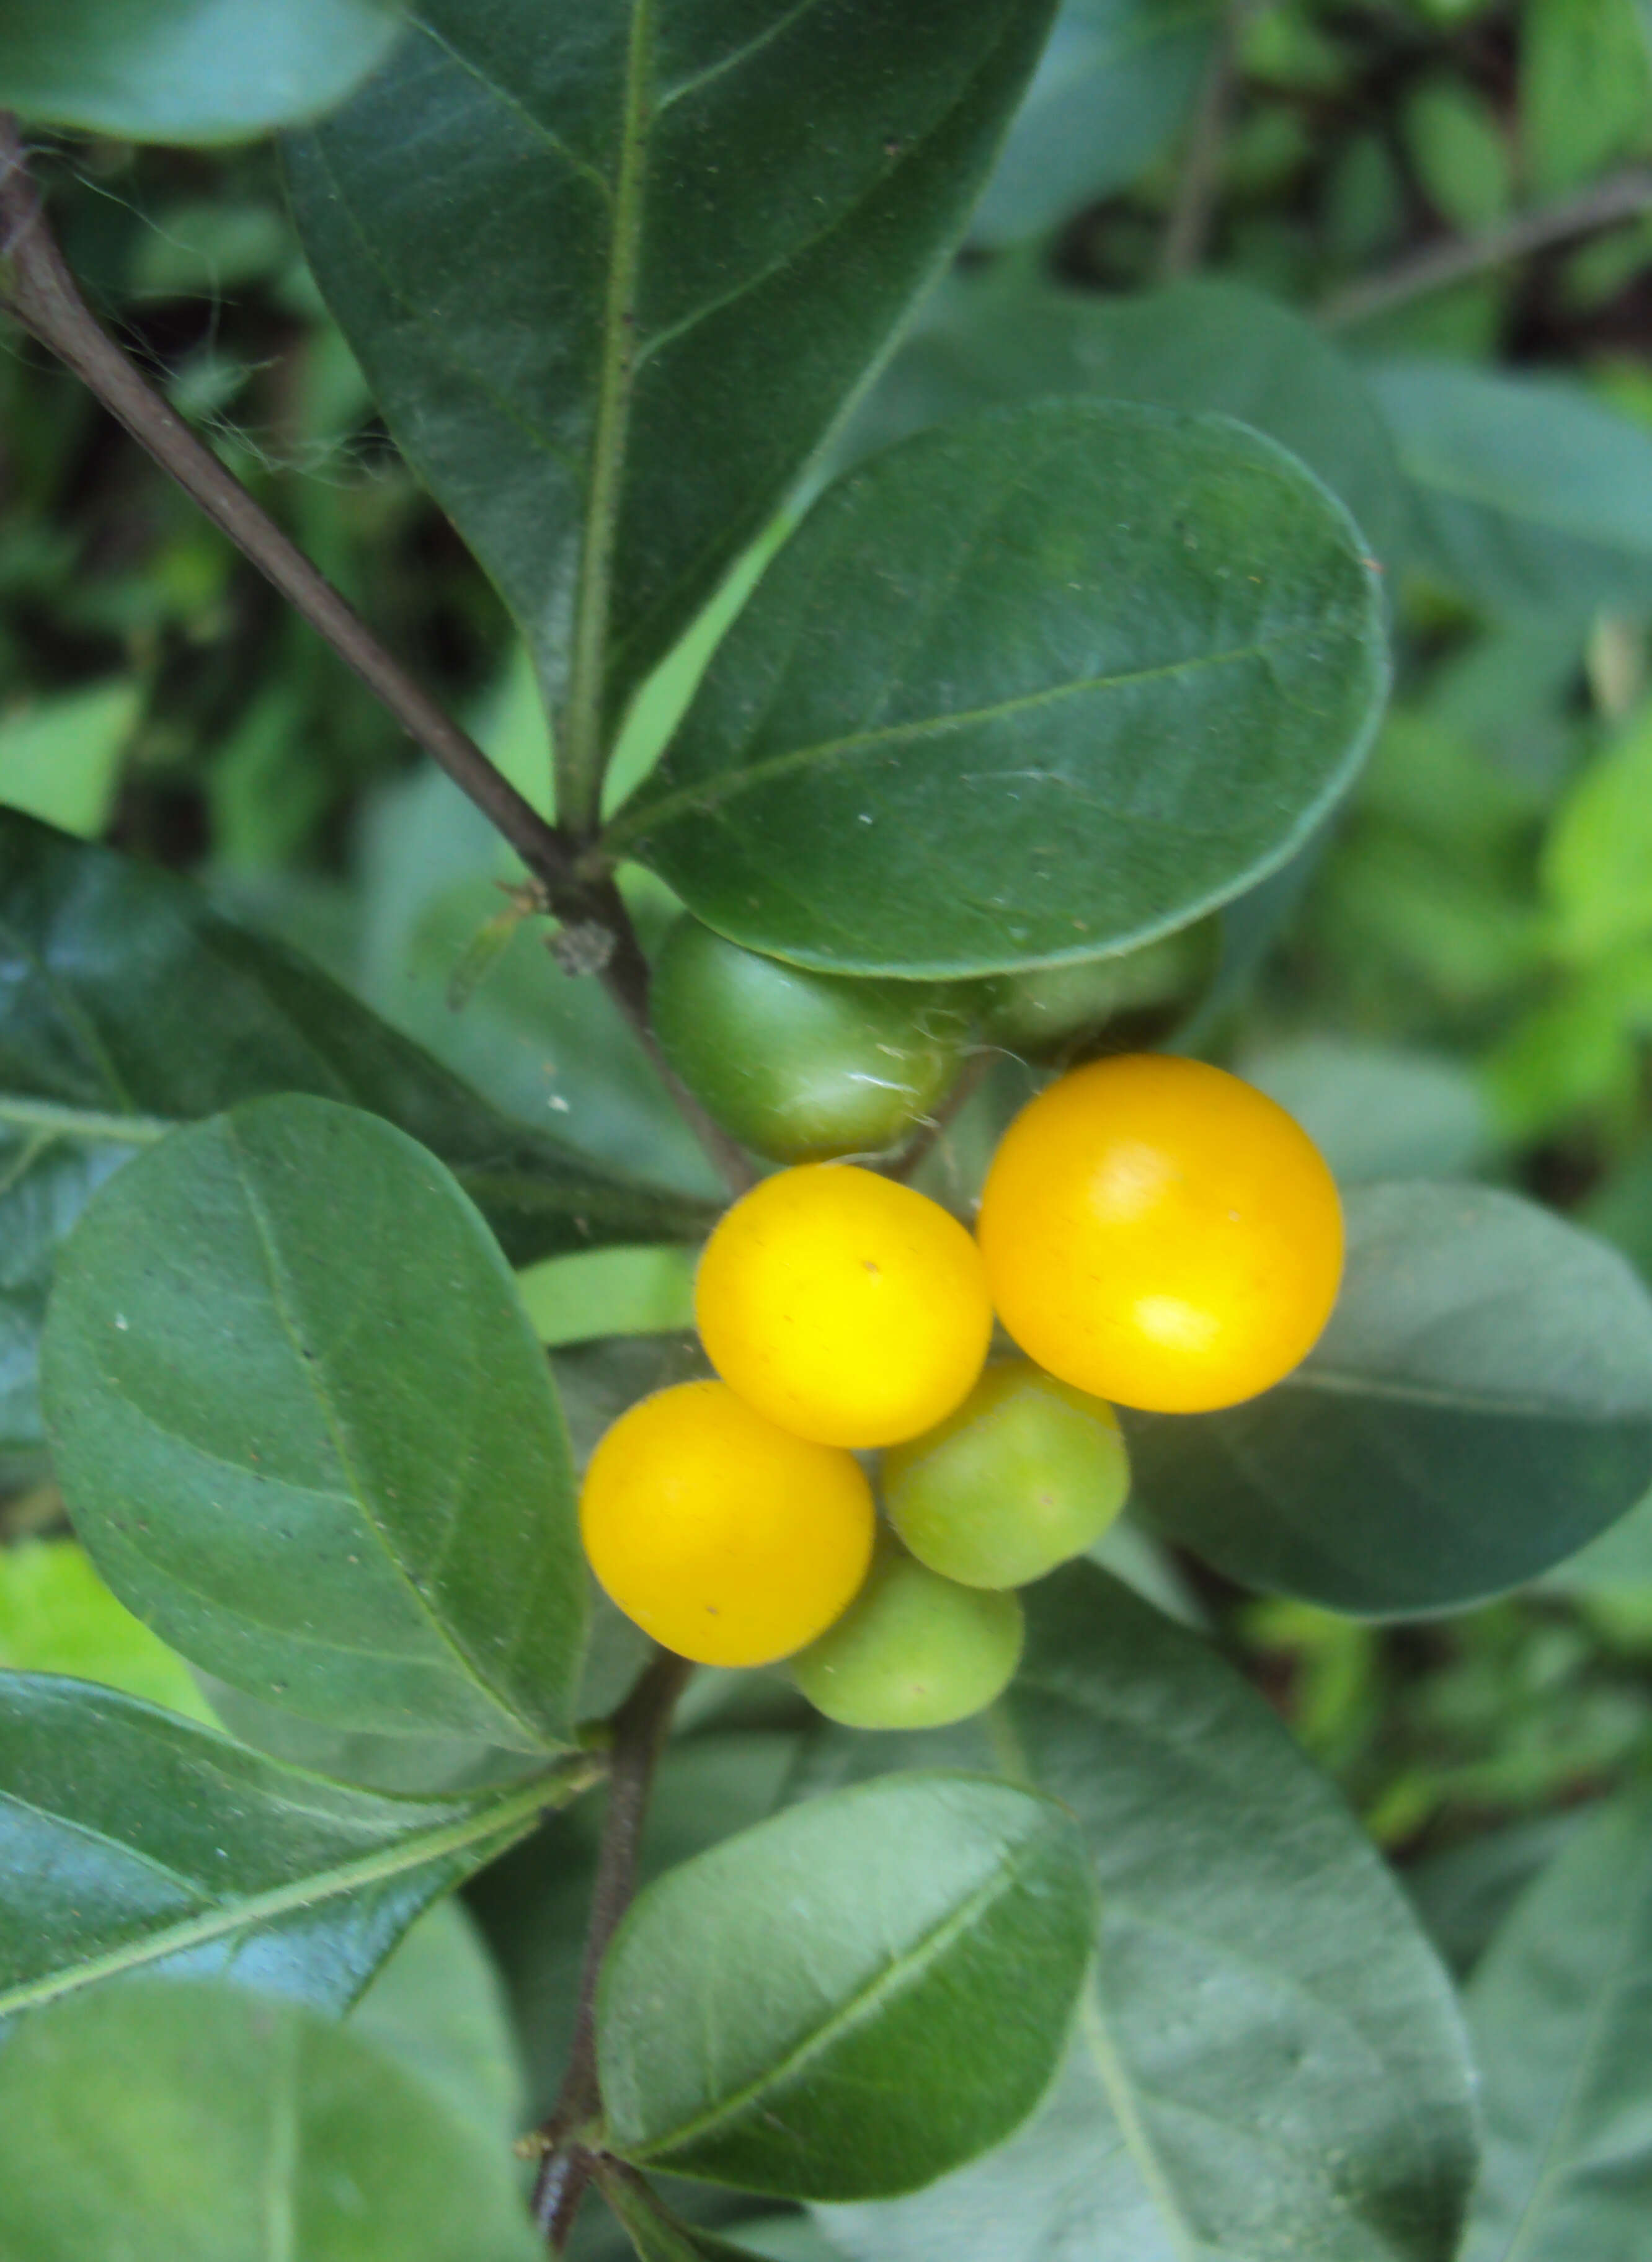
x=731 y=1541
x=846 y=1308
x=1161 y=1234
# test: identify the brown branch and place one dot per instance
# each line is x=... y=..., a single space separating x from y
x=923 y=1142
x=37 y=287
x=640 y=1728
x=1193 y=211
x=1439 y=265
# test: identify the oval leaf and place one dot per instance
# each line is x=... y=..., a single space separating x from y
x=722 y=231
x=1269 y=2063
x=802 y=2010
x=304 y=1430
x=1559 y=2010
x=1479 y=1407
x=1036 y=686
x=186 y=2122
x=186 y=70
x=129 y=1838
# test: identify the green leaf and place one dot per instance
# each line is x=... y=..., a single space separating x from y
x=130 y=1007
x=1376 y=1111
x=1480 y=1405
x=1457 y=145
x=1116 y=82
x=801 y=2010
x=1269 y=2062
x=1035 y=687
x=187 y=2122
x=60 y=758
x=437 y=2004
x=1559 y=2011
x=726 y=212
x=186 y=70
x=305 y=1431
x=1585 y=89
x=609 y=1291
x=1202 y=345
x=657 y=2234
x=1596 y=856
x=131 y=1838
x=56 y=1615
x=1532 y=496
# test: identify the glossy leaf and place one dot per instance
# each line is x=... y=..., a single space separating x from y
x=304 y=1430
x=1204 y=344
x=1268 y=2063
x=1117 y=81
x=130 y=1838
x=1479 y=1407
x=193 y=2123
x=186 y=70
x=724 y=232
x=1032 y=688
x=128 y=1006
x=1559 y=2010
x=800 y=2010
x=1532 y=496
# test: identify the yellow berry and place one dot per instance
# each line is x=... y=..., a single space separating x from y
x=843 y=1306
x=731 y=1541
x=1161 y=1234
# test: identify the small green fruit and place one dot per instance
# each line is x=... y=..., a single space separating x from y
x=912 y=1650
x=801 y=1067
x=1058 y=1012
x=1025 y=1474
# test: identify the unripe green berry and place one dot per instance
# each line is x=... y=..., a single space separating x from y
x=1027 y=1473
x=913 y=1650
x=1058 y=1012
x=801 y=1067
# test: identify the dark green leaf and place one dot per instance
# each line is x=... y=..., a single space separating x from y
x=1559 y=2010
x=1269 y=2062
x=1202 y=345
x=657 y=2234
x=130 y=1838
x=185 y=2122
x=1464 y=1893
x=1532 y=496
x=304 y=1430
x=801 y=2011
x=725 y=211
x=129 y=1006
x=1480 y=1405
x=1037 y=686
x=186 y=70
x=1115 y=83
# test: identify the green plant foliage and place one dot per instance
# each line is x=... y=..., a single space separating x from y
x=1376 y=1111
x=1597 y=864
x=892 y=1927
x=1117 y=81
x=1268 y=2060
x=1460 y=154
x=1558 y=2010
x=1480 y=1405
x=255 y=2127
x=56 y=1615
x=133 y=1006
x=136 y=1839
x=305 y=1430
x=1585 y=88
x=438 y=2006
x=937 y=710
x=186 y=70
x=609 y=1291
x=60 y=758
x=1206 y=343
x=725 y=232
x=1531 y=496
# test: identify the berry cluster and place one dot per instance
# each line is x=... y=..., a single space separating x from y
x=1153 y=1232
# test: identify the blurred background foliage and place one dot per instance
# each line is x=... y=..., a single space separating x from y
x=1413 y=242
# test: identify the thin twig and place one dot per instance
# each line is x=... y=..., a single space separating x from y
x=1187 y=229
x=37 y=287
x=640 y=1728
x=1458 y=258
x=923 y=1142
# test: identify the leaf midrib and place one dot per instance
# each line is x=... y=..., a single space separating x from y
x=706 y=795
x=514 y=1815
